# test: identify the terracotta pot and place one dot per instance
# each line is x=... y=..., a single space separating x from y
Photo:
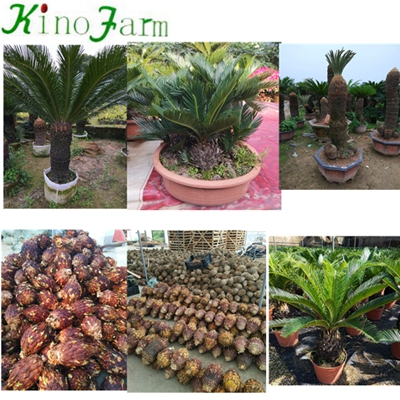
x=395 y=349
x=201 y=192
x=375 y=315
x=385 y=147
x=290 y=341
x=132 y=130
x=352 y=331
x=287 y=135
x=321 y=131
x=328 y=376
x=389 y=306
x=300 y=124
x=309 y=116
x=333 y=173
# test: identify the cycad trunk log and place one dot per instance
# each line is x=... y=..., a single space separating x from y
x=337 y=109
x=329 y=345
x=39 y=129
x=294 y=105
x=60 y=156
x=9 y=127
x=281 y=108
x=392 y=102
x=359 y=109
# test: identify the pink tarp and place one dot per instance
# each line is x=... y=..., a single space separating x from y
x=263 y=193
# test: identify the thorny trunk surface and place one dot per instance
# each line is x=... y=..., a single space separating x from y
x=329 y=345
x=60 y=143
x=337 y=110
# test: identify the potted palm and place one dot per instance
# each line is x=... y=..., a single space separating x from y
x=286 y=129
x=62 y=95
x=339 y=148
x=330 y=292
x=41 y=146
x=203 y=114
x=386 y=139
x=360 y=92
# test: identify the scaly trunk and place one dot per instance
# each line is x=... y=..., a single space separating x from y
x=294 y=105
x=9 y=127
x=329 y=345
x=6 y=153
x=39 y=128
x=337 y=109
x=60 y=155
x=80 y=126
x=392 y=102
x=359 y=109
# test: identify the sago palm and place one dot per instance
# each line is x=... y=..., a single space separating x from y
x=61 y=93
x=332 y=294
x=337 y=95
x=204 y=108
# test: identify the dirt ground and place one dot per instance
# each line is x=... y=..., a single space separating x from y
x=299 y=170
x=102 y=178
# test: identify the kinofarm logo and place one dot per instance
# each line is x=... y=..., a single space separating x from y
x=34 y=20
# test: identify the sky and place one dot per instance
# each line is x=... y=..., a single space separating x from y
x=372 y=62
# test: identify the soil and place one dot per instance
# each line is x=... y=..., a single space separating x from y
x=299 y=170
x=102 y=177
x=367 y=363
x=171 y=161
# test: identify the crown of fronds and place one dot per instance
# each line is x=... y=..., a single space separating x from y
x=339 y=59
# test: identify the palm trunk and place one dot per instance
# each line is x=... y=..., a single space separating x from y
x=392 y=102
x=60 y=154
x=329 y=345
x=6 y=153
x=337 y=109
x=9 y=127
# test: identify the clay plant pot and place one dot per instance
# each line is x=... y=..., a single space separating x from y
x=290 y=341
x=202 y=192
x=375 y=315
x=385 y=147
x=59 y=193
x=352 y=331
x=321 y=131
x=300 y=124
x=271 y=313
x=287 y=135
x=395 y=349
x=390 y=305
x=309 y=116
x=132 y=130
x=328 y=375
x=360 y=129
x=338 y=174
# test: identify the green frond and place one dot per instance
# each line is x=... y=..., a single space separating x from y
x=339 y=59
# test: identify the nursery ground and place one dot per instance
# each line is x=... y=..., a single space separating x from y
x=367 y=363
x=102 y=177
x=299 y=170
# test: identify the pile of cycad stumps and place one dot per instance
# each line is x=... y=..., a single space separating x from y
x=63 y=316
x=167 y=314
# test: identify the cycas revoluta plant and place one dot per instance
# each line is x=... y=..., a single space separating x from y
x=392 y=104
x=337 y=95
x=204 y=109
x=61 y=93
x=330 y=292
x=361 y=92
